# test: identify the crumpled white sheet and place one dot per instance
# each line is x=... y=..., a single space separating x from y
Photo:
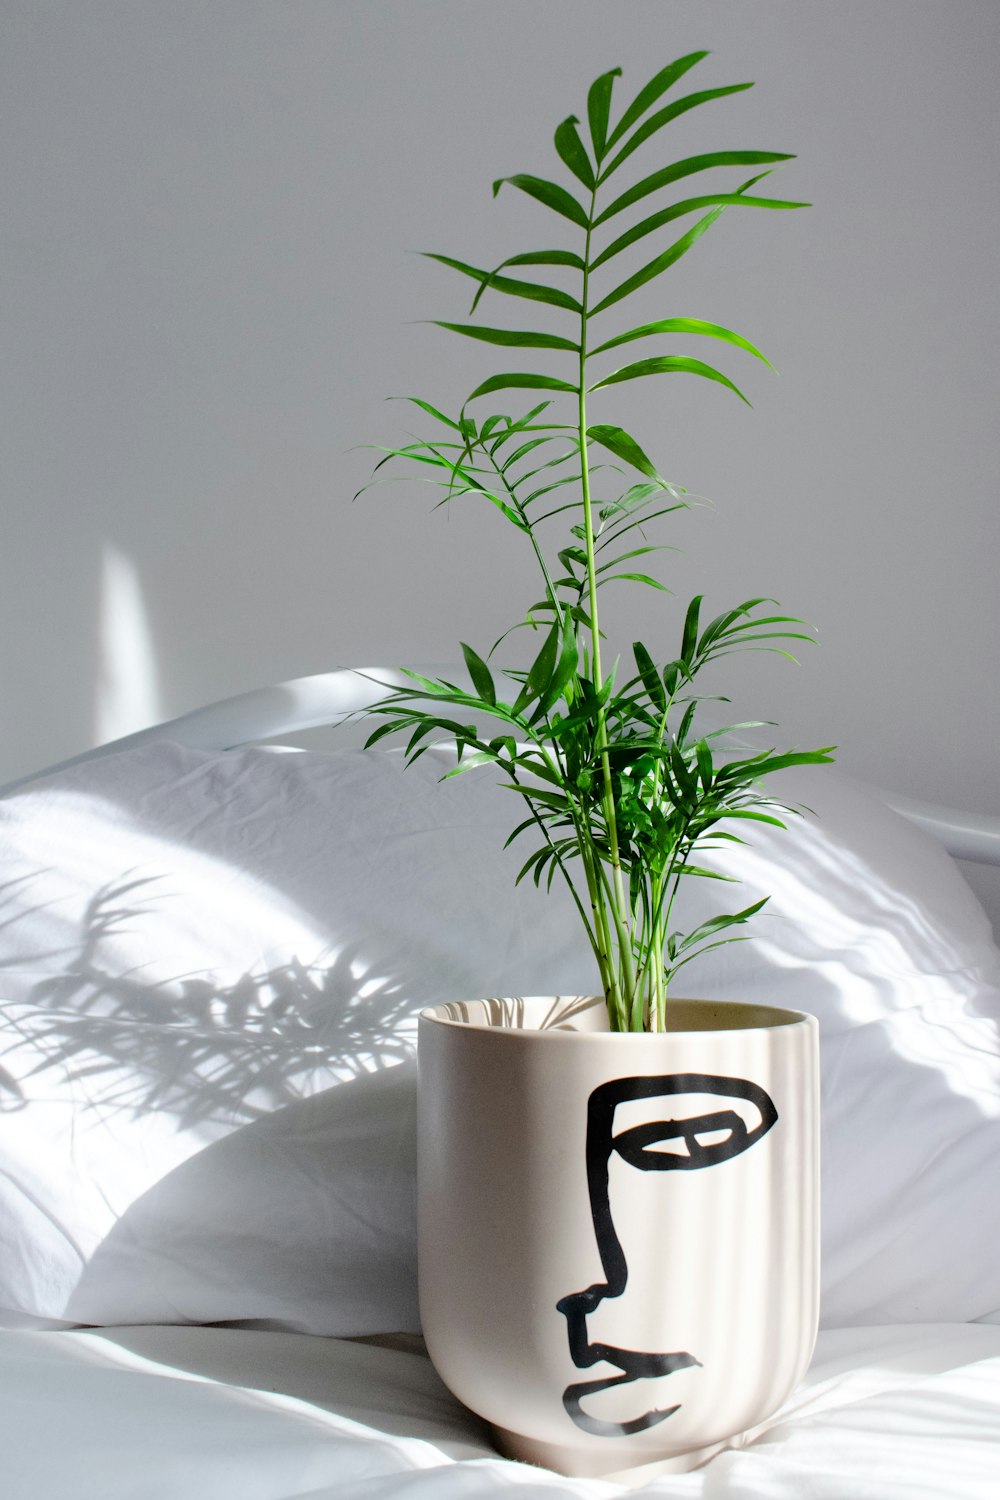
x=195 y=947
x=910 y=1412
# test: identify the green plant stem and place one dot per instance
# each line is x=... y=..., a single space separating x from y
x=671 y=879
x=619 y=906
x=609 y=976
x=600 y=936
x=654 y=952
x=658 y=997
x=620 y=1004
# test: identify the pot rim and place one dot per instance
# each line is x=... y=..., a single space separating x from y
x=759 y=1018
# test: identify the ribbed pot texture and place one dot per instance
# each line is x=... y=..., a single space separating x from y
x=618 y=1234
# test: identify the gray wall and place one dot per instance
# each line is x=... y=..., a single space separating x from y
x=209 y=210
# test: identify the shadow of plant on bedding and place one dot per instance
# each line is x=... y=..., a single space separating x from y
x=196 y=1048
x=251 y=1141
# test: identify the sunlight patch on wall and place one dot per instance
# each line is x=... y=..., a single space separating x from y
x=127 y=694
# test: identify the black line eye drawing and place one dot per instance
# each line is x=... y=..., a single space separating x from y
x=680 y=1143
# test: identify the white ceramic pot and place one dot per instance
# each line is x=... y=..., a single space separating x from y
x=618 y=1234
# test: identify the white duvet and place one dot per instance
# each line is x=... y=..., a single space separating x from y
x=210 y=967
x=910 y=1412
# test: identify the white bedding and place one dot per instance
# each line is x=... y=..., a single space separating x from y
x=210 y=967
x=909 y=1412
x=209 y=971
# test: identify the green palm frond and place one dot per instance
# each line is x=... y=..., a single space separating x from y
x=621 y=784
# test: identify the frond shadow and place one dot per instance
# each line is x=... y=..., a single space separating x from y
x=200 y=1050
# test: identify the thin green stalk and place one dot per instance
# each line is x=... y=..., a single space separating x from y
x=609 y=976
x=623 y=943
x=593 y=872
x=619 y=905
x=658 y=997
x=671 y=879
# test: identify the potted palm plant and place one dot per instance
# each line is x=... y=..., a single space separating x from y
x=587 y=1285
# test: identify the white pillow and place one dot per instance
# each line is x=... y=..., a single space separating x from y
x=193 y=949
x=871 y=927
x=210 y=966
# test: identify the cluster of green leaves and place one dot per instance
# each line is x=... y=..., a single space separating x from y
x=621 y=787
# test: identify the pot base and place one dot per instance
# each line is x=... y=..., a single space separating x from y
x=584 y=1463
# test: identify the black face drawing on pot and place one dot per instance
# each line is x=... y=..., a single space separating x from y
x=678 y=1135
